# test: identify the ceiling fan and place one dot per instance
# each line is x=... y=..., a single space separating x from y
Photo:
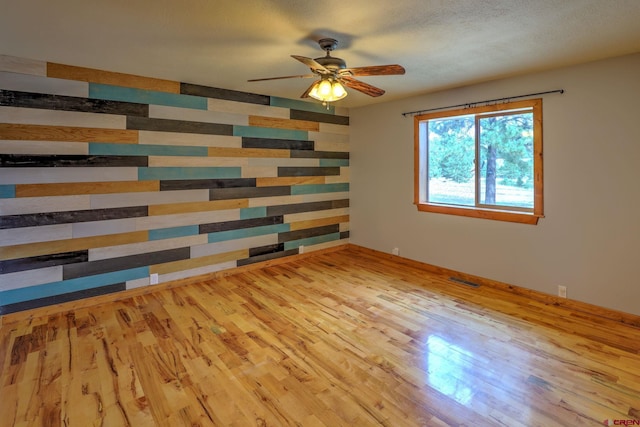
x=334 y=75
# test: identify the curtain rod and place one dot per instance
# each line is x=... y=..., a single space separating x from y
x=469 y=104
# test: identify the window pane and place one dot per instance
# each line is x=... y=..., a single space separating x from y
x=506 y=160
x=450 y=154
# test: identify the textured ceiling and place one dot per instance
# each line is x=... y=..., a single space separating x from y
x=223 y=43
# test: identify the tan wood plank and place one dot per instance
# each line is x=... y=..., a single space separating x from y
x=247 y=152
x=318 y=222
x=284 y=180
x=70 y=72
x=68 y=245
x=73 y=188
x=274 y=122
x=175 y=208
x=187 y=264
x=66 y=133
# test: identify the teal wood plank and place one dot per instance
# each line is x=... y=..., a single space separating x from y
x=249 y=213
x=143 y=96
x=319 y=188
x=259 y=132
x=98 y=148
x=311 y=241
x=247 y=232
x=7 y=191
x=334 y=162
x=73 y=285
x=159 y=173
x=296 y=104
x=170 y=233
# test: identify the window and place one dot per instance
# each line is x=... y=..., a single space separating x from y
x=483 y=162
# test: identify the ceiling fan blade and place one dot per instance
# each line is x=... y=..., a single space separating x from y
x=311 y=63
x=376 y=70
x=300 y=76
x=361 y=86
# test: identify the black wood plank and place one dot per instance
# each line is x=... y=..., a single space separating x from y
x=307 y=207
x=69 y=160
x=226 y=94
x=71 y=103
x=72 y=271
x=318 y=117
x=269 y=249
x=50 y=218
x=274 y=143
x=196 y=184
x=183 y=126
x=306 y=154
x=248 y=192
x=307 y=171
x=308 y=232
x=266 y=257
x=58 y=299
x=215 y=227
x=42 y=261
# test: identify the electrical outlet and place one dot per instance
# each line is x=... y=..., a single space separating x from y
x=562 y=291
x=153 y=279
x=301 y=249
x=396 y=251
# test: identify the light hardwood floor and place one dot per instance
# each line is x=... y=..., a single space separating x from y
x=346 y=338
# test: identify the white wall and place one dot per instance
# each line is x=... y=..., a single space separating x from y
x=589 y=239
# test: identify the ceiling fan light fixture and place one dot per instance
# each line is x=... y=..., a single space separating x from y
x=327 y=90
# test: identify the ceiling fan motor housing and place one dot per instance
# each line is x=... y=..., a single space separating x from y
x=331 y=63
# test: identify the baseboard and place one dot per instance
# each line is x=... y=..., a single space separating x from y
x=117 y=296
x=574 y=305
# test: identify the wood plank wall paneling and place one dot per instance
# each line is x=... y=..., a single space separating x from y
x=11 y=131
x=62 y=71
x=168 y=177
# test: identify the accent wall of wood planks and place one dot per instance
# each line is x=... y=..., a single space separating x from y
x=106 y=178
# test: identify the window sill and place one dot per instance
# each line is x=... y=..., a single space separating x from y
x=496 y=215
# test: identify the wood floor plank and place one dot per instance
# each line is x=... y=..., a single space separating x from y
x=343 y=338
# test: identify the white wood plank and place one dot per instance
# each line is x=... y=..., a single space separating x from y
x=23 y=279
x=37 y=116
x=246 y=108
x=102 y=201
x=15 y=64
x=189 y=161
x=101 y=228
x=306 y=216
x=189 y=114
x=188 y=139
x=28 y=205
x=283 y=162
x=43 y=147
x=196 y=271
x=184 y=219
x=233 y=245
x=145 y=247
x=44 y=233
x=40 y=84
x=58 y=175
x=331 y=146
x=329 y=137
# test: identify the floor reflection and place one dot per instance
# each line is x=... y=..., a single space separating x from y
x=446 y=369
